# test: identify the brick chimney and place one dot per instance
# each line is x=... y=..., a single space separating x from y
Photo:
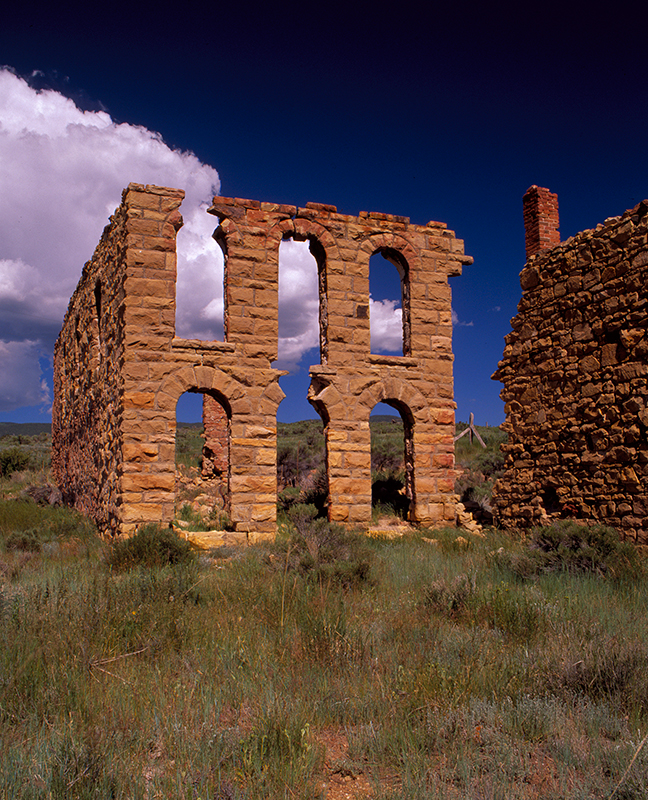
x=541 y=221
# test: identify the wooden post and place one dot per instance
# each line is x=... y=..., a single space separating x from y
x=471 y=430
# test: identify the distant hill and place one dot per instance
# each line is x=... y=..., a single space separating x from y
x=24 y=428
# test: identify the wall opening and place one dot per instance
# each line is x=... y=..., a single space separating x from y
x=302 y=475
x=299 y=334
x=389 y=306
x=301 y=452
x=200 y=278
x=96 y=332
x=392 y=459
x=299 y=304
x=202 y=461
x=550 y=501
x=97 y=296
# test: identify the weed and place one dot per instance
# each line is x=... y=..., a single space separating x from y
x=450 y=597
x=610 y=670
x=325 y=551
x=151 y=546
x=513 y=611
x=277 y=754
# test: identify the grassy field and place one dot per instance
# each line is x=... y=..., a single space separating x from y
x=327 y=664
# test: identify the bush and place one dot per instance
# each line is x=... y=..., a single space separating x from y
x=327 y=552
x=288 y=497
x=317 y=494
x=151 y=546
x=13 y=459
x=567 y=546
x=450 y=597
x=28 y=541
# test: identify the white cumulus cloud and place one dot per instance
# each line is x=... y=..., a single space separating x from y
x=62 y=171
x=298 y=303
x=457 y=323
x=386 y=319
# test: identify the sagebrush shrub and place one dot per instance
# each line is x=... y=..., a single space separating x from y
x=325 y=551
x=13 y=459
x=567 y=546
x=450 y=596
x=28 y=541
x=151 y=546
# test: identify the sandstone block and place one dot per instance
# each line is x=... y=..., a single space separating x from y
x=141 y=512
x=139 y=399
x=138 y=482
x=140 y=452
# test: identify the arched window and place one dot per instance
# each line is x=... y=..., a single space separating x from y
x=389 y=308
x=299 y=328
x=199 y=285
x=299 y=293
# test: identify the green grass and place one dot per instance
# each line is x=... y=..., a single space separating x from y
x=446 y=672
x=20 y=451
x=480 y=466
x=189 y=445
x=300 y=452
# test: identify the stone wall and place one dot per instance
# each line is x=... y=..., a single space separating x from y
x=215 y=452
x=575 y=375
x=89 y=384
x=115 y=396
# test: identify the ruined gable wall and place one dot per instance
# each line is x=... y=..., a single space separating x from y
x=575 y=375
x=88 y=382
x=350 y=380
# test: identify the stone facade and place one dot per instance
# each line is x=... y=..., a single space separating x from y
x=119 y=369
x=575 y=375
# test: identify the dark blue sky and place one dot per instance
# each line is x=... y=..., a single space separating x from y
x=445 y=114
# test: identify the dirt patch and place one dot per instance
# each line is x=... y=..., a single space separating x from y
x=343 y=778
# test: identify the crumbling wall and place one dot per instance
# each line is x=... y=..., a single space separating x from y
x=89 y=385
x=575 y=375
x=114 y=433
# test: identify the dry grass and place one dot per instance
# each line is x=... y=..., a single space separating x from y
x=325 y=665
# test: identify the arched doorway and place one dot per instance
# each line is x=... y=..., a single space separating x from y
x=202 y=444
x=392 y=459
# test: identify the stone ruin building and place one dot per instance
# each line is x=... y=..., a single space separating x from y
x=575 y=375
x=120 y=369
